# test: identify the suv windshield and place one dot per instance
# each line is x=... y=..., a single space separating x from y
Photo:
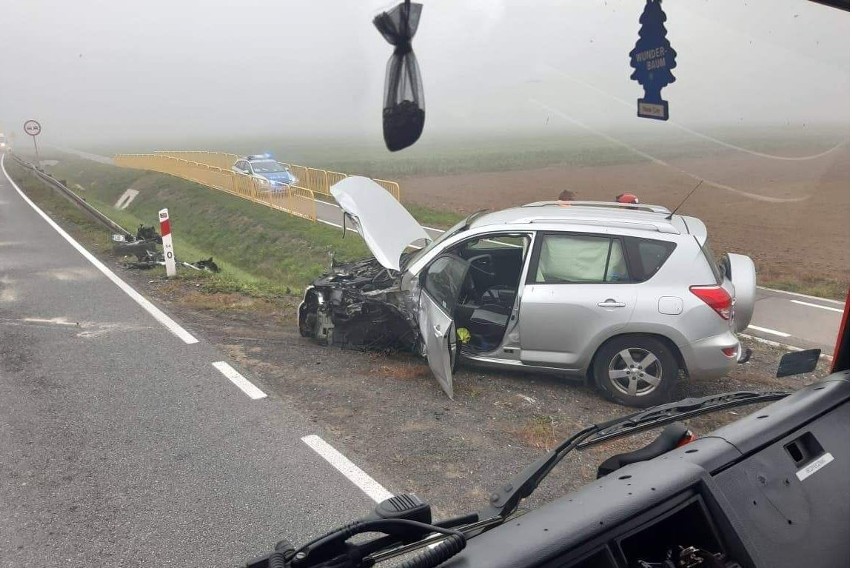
x=267 y=167
x=238 y=332
x=454 y=230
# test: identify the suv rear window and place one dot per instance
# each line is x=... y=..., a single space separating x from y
x=646 y=256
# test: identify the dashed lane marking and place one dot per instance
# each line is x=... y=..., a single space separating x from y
x=769 y=331
x=810 y=305
x=351 y=471
x=780 y=345
x=243 y=383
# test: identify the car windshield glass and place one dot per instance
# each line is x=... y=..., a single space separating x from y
x=267 y=167
x=455 y=229
x=668 y=193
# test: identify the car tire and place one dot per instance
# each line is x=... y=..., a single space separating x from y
x=635 y=370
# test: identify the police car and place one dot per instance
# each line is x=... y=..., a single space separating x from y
x=264 y=167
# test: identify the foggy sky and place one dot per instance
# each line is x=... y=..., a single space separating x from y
x=106 y=70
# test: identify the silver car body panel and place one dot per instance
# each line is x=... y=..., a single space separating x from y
x=547 y=338
x=387 y=228
x=697 y=331
x=439 y=336
x=560 y=327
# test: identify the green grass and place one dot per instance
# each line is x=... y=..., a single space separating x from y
x=259 y=248
x=432 y=217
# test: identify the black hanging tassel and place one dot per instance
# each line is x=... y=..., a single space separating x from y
x=404 y=110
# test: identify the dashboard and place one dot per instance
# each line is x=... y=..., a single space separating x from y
x=771 y=489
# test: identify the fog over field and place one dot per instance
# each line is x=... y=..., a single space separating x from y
x=178 y=72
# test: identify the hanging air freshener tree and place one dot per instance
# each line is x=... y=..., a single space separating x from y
x=653 y=60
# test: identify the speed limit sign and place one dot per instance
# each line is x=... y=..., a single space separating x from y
x=32 y=127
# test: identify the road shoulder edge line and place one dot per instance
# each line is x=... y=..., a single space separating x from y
x=158 y=314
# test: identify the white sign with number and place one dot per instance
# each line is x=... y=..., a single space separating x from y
x=32 y=127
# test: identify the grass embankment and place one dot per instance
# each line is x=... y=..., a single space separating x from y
x=261 y=251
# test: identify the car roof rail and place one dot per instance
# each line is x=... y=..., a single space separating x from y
x=648 y=208
x=640 y=224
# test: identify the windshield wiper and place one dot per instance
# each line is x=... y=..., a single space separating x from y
x=504 y=500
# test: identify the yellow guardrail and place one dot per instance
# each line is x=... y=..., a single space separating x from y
x=391 y=186
x=213 y=169
x=294 y=200
x=222 y=160
x=318 y=181
x=334 y=177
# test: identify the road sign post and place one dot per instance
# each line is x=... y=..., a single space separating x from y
x=168 y=249
x=33 y=128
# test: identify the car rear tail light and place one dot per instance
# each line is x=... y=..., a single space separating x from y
x=729 y=351
x=716 y=297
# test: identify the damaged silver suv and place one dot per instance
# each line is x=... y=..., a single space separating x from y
x=625 y=295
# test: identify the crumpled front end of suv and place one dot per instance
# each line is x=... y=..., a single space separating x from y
x=362 y=306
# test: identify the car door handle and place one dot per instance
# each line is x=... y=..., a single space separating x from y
x=610 y=303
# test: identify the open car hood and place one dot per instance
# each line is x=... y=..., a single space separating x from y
x=384 y=223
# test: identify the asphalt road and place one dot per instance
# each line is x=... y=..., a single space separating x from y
x=121 y=443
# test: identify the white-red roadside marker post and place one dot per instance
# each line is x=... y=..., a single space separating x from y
x=168 y=249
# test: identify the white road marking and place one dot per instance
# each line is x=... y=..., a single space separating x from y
x=810 y=305
x=769 y=331
x=332 y=224
x=243 y=383
x=776 y=291
x=7 y=293
x=126 y=199
x=351 y=471
x=55 y=321
x=781 y=345
x=158 y=315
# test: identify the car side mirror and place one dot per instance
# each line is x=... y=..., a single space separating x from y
x=798 y=362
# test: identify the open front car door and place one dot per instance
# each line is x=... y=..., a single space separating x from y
x=441 y=286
